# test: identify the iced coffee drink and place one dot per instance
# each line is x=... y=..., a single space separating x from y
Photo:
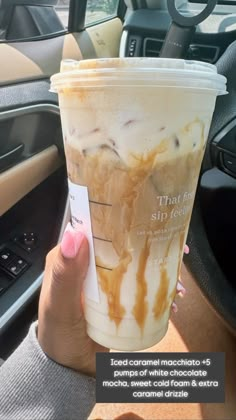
x=135 y=132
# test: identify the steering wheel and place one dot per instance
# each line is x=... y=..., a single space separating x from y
x=182 y=29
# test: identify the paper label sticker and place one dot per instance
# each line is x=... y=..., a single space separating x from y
x=81 y=220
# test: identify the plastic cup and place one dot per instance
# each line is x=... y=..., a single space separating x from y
x=135 y=131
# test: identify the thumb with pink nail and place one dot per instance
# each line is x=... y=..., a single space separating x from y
x=61 y=324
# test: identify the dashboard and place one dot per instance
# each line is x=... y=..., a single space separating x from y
x=145 y=29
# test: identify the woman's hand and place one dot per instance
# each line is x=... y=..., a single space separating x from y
x=61 y=325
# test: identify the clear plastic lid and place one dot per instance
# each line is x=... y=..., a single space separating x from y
x=163 y=72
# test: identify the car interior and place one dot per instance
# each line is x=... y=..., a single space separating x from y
x=34 y=208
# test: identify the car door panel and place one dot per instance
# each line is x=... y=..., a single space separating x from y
x=35 y=59
x=33 y=191
x=33 y=182
x=22 y=95
x=39 y=212
x=34 y=194
x=24 y=177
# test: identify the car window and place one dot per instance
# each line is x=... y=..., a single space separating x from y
x=28 y=20
x=62 y=9
x=98 y=10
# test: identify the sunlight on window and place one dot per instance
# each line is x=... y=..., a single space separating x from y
x=62 y=9
x=98 y=10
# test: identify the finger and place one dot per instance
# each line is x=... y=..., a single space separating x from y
x=66 y=268
x=174 y=307
x=180 y=289
x=186 y=249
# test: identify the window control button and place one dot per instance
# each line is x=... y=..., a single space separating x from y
x=14 y=269
x=6 y=256
x=21 y=262
x=12 y=264
x=28 y=241
x=17 y=266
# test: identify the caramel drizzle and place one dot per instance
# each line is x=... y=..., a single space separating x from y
x=111 y=281
x=140 y=308
x=161 y=299
x=181 y=245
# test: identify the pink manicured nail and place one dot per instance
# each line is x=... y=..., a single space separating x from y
x=180 y=288
x=71 y=243
x=186 y=249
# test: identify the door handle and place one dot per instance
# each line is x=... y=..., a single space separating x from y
x=11 y=156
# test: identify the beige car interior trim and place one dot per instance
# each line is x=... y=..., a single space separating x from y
x=18 y=181
x=71 y=48
x=21 y=61
x=106 y=38
x=15 y=65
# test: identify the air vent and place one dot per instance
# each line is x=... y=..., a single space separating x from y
x=152 y=47
x=206 y=53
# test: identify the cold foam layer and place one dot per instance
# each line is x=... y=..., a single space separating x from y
x=129 y=122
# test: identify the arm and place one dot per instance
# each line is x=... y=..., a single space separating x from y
x=51 y=374
x=32 y=386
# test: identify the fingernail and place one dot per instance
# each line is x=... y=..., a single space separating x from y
x=174 y=307
x=71 y=243
x=180 y=288
x=186 y=249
